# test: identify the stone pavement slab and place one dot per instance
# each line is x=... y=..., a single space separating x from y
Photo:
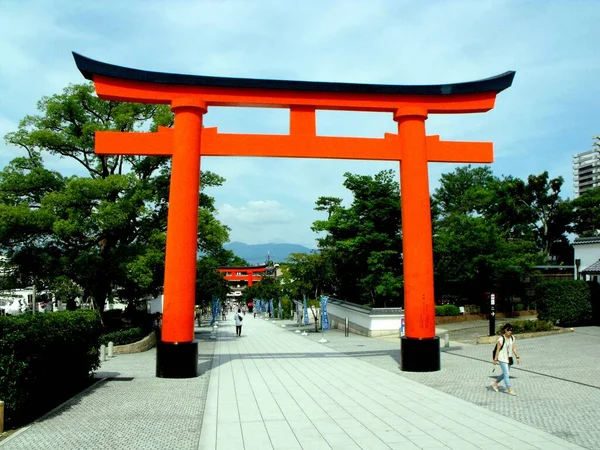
x=275 y=389
x=558 y=389
x=305 y=394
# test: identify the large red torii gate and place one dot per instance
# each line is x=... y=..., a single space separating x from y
x=191 y=95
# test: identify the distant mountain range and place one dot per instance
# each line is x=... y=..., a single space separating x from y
x=256 y=254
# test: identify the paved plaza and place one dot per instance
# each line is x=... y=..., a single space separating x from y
x=276 y=389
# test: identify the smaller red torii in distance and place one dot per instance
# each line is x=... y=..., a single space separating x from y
x=250 y=274
x=191 y=95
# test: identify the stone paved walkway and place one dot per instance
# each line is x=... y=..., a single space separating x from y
x=273 y=388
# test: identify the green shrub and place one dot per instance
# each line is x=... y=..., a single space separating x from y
x=565 y=302
x=532 y=306
x=519 y=307
x=451 y=310
x=529 y=326
x=447 y=310
x=60 y=348
x=123 y=337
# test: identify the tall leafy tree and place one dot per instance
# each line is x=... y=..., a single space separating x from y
x=363 y=243
x=586 y=213
x=306 y=274
x=104 y=230
x=545 y=212
x=484 y=239
x=473 y=256
x=467 y=190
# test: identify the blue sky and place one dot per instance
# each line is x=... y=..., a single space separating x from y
x=551 y=111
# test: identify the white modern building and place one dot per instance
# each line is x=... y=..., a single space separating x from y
x=586 y=170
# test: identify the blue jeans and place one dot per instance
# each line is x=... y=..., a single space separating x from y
x=505 y=374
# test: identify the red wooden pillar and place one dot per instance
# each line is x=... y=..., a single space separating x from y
x=419 y=347
x=177 y=354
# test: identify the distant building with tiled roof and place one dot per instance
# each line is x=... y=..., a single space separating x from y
x=587 y=258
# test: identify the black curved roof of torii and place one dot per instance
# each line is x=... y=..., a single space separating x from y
x=89 y=67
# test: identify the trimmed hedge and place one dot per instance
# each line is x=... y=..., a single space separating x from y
x=564 y=302
x=528 y=326
x=45 y=359
x=123 y=337
x=447 y=310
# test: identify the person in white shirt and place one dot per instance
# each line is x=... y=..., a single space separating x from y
x=506 y=349
x=238 y=322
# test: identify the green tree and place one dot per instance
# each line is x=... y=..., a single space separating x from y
x=545 y=212
x=473 y=256
x=66 y=291
x=363 y=243
x=104 y=231
x=268 y=288
x=484 y=239
x=586 y=213
x=305 y=273
x=467 y=190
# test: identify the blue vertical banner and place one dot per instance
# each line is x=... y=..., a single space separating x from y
x=298 y=314
x=305 y=310
x=215 y=305
x=271 y=308
x=324 y=317
x=279 y=308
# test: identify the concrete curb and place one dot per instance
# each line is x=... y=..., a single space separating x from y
x=136 y=347
x=492 y=339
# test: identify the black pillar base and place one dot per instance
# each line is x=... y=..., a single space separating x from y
x=420 y=355
x=177 y=359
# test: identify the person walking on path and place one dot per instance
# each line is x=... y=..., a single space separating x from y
x=506 y=352
x=238 y=322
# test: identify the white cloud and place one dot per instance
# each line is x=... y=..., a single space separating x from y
x=256 y=213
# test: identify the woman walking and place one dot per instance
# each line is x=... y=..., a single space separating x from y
x=506 y=352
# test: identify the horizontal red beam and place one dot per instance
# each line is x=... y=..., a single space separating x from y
x=459 y=152
x=127 y=143
x=290 y=146
x=241 y=277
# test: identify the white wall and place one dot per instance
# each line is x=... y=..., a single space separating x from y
x=377 y=323
x=588 y=254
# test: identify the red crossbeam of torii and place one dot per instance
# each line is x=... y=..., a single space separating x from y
x=190 y=97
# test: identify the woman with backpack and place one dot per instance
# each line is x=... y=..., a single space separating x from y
x=238 y=322
x=505 y=353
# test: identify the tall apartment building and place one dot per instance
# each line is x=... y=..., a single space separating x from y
x=586 y=169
